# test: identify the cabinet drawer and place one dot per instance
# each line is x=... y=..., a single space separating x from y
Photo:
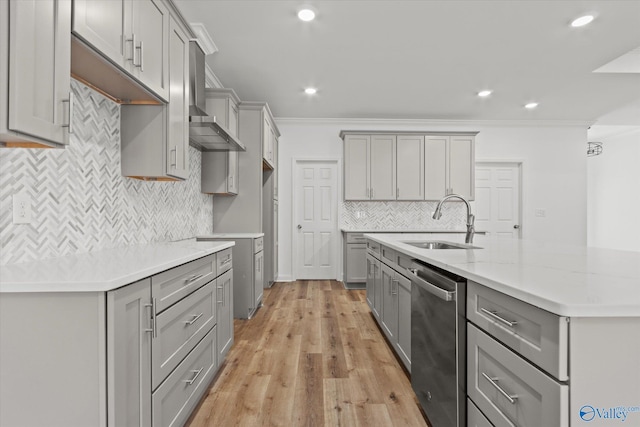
x=475 y=418
x=179 y=329
x=509 y=390
x=388 y=255
x=536 y=334
x=403 y=262
x=355 y=238
x=174 y=400
x=258 y=244
x=172 y=285
x=373 y=248
x=224 y=260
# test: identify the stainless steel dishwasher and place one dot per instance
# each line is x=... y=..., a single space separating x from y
x=438 y=343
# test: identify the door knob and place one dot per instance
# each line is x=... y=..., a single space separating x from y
x=516 y=226
x=299 y=227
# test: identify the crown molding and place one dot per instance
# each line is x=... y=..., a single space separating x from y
x=210 y=79
x=204 y=38
x=431 y=122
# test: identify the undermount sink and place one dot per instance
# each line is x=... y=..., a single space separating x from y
x=436 y=244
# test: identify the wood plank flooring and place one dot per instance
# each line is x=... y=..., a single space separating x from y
x=311 y=356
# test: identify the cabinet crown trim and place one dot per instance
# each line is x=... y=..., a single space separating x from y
x=344 y=133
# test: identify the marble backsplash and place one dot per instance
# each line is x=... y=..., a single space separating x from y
x=80 y=202
x=401 y=216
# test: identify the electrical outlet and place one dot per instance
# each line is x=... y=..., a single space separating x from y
x=541 y=213
x=21 y=209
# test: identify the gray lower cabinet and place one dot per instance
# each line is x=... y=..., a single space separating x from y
x=225 y=314
x=355 y=251
x=130 y=331
x=248 y=279
x=389 y=297
x=116 y=358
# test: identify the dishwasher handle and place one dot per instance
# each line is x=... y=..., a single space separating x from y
x=441 y=293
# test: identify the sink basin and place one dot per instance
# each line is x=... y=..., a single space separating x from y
x=436 y=244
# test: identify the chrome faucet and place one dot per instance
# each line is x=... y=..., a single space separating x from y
x=470 y=217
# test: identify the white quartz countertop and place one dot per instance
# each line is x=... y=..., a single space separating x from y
x=567 y=280
x=230 y=236
x=103 y=270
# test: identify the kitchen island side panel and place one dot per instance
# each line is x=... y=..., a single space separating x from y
x=604 y=372
x=42 y=383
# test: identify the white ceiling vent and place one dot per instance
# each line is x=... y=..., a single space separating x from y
x=627 y=63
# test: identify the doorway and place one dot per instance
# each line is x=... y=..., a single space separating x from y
x=498 y=200
x=315 y=219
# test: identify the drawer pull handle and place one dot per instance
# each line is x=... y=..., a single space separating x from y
x=225 y=263
x=494 y=315
x=194 y=320
x=494 y=382
x=192 y=278
x=195 y=377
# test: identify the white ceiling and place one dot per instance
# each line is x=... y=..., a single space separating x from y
x=427 y=59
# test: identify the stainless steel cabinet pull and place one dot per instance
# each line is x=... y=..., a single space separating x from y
x=192 y=278
x=494 y=382
x=70 y=101
x=195 y=377
x=133 y=49
x=141 y=57
x=221 y=288
x=396 y=281
x=151 y=330
x=194 y=320
x=226 y=262
x=174 y=162
x=494 y=315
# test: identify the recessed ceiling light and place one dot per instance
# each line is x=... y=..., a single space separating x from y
x=582 y=21
x=531 y=105
x=310 y=90
x=306 y=15
x=484 y=93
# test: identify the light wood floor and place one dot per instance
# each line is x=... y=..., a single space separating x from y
x=311 y=356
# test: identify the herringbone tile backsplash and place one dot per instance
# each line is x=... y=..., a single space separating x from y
x=402 y=216
x=81 y=203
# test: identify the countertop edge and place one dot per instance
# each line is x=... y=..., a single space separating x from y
x=553 y=306
x=70 y=286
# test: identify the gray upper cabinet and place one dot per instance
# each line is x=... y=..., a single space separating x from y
x=35 y=48
x=155 y=138
x=449 y=166
x=132 y=34
x=220 y=169
x=356 y=167
x=408 y=165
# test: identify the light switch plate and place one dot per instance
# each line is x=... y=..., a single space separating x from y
x=21 y=209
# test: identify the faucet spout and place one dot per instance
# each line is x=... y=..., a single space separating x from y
x=470 y=217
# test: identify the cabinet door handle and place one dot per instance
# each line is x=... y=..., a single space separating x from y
x=174 y=157
x=195 y=377
x=141 y=56
x=372 y=192
x=494 y=382
x=194 y=320
x=133 y=49
x=396 y=281
x=154 y=329
x=397 y=192
x=495 y=316
x=192 y=278
x=70 y=102
x=221 y=301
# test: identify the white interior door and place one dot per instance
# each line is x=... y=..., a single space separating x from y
x=316 y=219
x=497 y=203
